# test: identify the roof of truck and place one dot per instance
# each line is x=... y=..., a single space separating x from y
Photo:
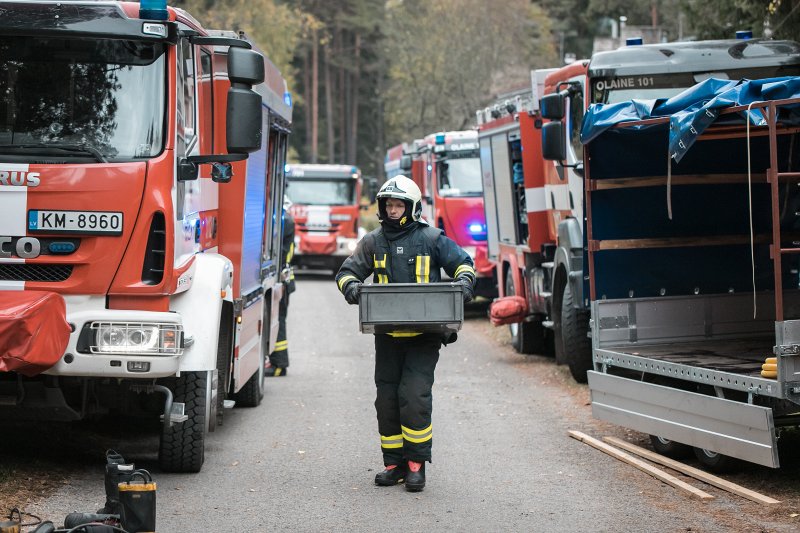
x=694 y=56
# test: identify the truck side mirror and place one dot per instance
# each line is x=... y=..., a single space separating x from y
x=405 y=163
x=554 y=146
x=552 y=106
x=244 y=116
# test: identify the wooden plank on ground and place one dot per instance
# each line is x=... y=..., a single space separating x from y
x=691 y=471
x=641 y=465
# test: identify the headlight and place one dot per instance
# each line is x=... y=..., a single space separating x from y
x=135 y=338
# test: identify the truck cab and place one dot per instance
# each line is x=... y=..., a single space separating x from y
x=325 y=207
x=446 y=167
x=138 y=191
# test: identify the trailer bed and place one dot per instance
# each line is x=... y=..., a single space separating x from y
x=743 y=356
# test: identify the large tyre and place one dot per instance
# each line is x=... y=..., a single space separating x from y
x=574 y=337
x=715 y=462
x=526 y=337
x=253 y=391
x=670 y=448
x=182 y=447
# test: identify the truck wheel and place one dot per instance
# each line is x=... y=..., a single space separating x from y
x=713 y=461
x=670 y=448
x=574 y=336
x=182 y=446
x=526 y=337
x=253 y=391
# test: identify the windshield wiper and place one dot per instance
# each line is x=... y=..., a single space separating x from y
x=67 y=147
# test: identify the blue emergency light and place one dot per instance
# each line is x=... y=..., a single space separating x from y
x=477 y=231
x=476 y=228
x=439 y=138
x=633 y=41
x=287 y=98
x=744 y=35
x=153 y=10
x=58 y=247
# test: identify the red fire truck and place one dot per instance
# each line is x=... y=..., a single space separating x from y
x=535 y=208
x=446 y=167
x=139 y=256
x=325 y=207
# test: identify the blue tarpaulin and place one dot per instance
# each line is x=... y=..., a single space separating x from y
x=691 y=111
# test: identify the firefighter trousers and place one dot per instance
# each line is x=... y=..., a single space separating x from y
x=404 y=368
x=280 y=357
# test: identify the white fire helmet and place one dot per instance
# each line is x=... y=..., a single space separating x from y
x=404 y=189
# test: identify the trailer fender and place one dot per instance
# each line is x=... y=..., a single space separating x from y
x=200 y=308
x=569 y=256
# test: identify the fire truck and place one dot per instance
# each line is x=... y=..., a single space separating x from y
x=141 y=178
x=535 y=207
x=325 y=207
x=446 y=168
x=695 y=306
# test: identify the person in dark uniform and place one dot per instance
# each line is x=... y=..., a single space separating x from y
x=279 y=359
x=405 y=249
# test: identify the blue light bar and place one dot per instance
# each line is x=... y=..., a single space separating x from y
x=287 y=98
x=439 y=138
x=633 y=41
x=476 y=228
x=153 y=10
x=744 y=34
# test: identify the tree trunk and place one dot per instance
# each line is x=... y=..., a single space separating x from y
x=307 y=102
x=353 y=144
x=314 y=97
x=329 y=106
x=342 y=85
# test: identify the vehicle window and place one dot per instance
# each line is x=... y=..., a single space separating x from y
x=88 y=99
x=206 y=94
x=186 y=97
x=460 y=176
x=317 y=191
x=576 y=109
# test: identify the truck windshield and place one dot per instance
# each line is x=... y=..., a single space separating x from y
x=648 y=87
x=460 y=176
x=322 y=191
x=101 y=100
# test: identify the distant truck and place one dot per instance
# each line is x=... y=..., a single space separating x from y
x=141 y=178
x=446 y=167
x=325 y=205
x=535 y=208
x=693 y=214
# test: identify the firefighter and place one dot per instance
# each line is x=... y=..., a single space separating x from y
x=404 y=249
x=279 y=359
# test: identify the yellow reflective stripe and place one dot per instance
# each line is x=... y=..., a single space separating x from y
x=281 y=346
x=464 y=268
x=344 y=280
x=403 y=334
x=383 y=278
x=417 y=436
x=393 y=441
x=379 y=263
x=419 y=269
x=290 y=253
x=426 y=275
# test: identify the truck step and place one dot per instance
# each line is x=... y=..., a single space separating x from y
x=178 y=413
x=548 y=324
x=228 y=404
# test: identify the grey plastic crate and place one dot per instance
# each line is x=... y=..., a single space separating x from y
x=411 y=307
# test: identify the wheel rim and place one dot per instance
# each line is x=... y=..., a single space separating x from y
x=212 y=390
x=662 y=440
x=709 y=453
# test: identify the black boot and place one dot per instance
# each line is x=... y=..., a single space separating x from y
x=391 y=476
x=415 y=481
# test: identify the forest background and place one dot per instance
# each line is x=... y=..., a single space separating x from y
x=366 y=75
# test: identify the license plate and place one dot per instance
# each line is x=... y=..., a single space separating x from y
x=95 y=222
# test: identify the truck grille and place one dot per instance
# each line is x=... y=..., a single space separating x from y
x=34 y=272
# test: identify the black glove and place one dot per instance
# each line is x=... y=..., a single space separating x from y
x=351 y=292
x=466 y=285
